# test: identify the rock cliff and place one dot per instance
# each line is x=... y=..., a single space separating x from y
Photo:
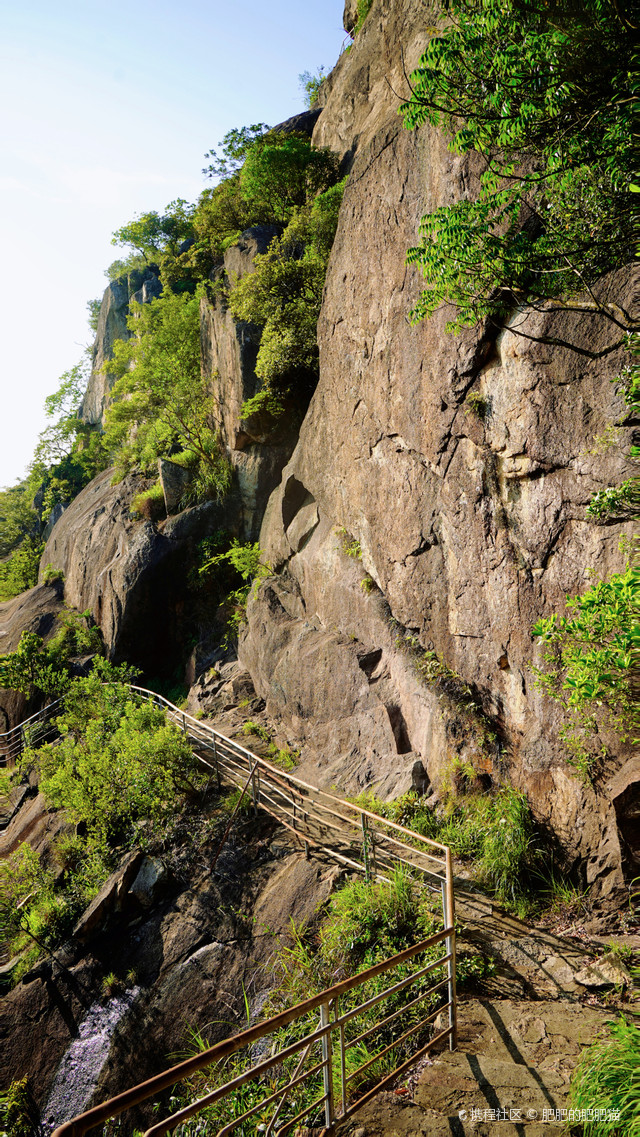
x=470 y=528
x=396 y=521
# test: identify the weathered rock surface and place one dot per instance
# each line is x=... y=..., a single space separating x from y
x=472 y=528
x=129 y=574
x=512 y=1067
x=192 y=951
x=32 y=611
x=257 y=448
x=112 y=326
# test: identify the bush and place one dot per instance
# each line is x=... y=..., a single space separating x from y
x=21 y=875
x=494 y=830
x=607 y=1081
x=245 y=559
x=20 y=571
x=282 y=172
x=591 y=661
x=283 y=296
x=370 y=921
x=150 y=503
x=52 y=575
x=38 y=667
x=118 y=760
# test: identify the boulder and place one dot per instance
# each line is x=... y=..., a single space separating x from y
x=126 y=571
x=174 y=480
x=110 y=898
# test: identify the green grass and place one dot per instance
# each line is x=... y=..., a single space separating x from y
x=607 y=1077
x=493 y=830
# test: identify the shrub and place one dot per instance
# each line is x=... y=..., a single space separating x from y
x=38 y=667
x=494 y=830
x=150 y=503
x=283 y=296
x=477 y=404
x=245 y=559
x=125 y=764
x=350 y=545
x=20 y=571
x=606 y=1081
x=369 y=921
x=282 y=172
x=21 y=875
x=364 y=7
x=52 y=575
x=311 y=85
x=591 y=660
x=18 y=1116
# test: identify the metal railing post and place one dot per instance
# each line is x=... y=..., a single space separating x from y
x=215 y=757
x=254 y=793
x=343 y=1064
x=365 y=847
x=451 y=949
x=327 y=1078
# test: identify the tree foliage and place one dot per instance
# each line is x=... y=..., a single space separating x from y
x=151 y=234
x=592 y=660
x=236 y=144
x=160 y=400
x=283 y=295
x=36 y=667
x=118 y=760
x=545 y=94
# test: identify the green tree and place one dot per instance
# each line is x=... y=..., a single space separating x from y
x=282 y=172
x=151 y=234
x=236 y=144
x=32 y=669
x=283 y=295
x=545 y=94
x=18 y=518
x=118 y=760
x=160 y=401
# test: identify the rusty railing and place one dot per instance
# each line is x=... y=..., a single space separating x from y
x=327 y=1053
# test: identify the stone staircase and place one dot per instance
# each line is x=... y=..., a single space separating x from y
x=509 y=1076
x=517 y=1043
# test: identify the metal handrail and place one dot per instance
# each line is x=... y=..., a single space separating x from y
x=367 y=843
x=13 y=742
x=332 y=1023
x=381 y=842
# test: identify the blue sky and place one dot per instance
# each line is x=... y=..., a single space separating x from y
x=108 y=112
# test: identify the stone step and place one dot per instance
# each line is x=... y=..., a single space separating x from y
x=513 y=1065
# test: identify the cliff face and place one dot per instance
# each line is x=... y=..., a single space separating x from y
x=112 y=326
x=470 y=528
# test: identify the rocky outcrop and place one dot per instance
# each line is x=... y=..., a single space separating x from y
x=142 y=286
x=471 y=526
x=32 y=611
x=257 y=448
x=130 y=574
x=189 y=949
